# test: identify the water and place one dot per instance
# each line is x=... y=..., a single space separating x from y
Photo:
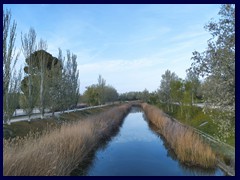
x=137 y=150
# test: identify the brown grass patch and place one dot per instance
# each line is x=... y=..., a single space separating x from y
x=187 y=145
x=59 y=152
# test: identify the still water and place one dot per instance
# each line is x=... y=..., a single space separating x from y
x=136 y=149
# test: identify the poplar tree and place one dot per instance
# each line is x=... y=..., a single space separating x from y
x=10 y=78
x=28 y=47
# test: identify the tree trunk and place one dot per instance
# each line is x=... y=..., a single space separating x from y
x=181 y=109
x=41 y=96
x=7 y=106
x=29 y=93
x=9 y=122
x=192 y=99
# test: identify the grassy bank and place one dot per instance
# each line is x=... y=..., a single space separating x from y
x=187 y=145
x=59 y=151
x=23 y=128
x=195 y=117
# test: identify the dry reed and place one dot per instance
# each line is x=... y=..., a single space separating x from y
x=187 y=144
x=59 y=152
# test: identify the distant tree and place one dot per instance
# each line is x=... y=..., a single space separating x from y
x=101 y=88
x=145 y=95
x=10 y=80
x=153 y=98
x=217 y=65
x=92 y=96
x=177 y=92
x=110 y=94
x=100 y=93
x=165 y=88
x=193 y=85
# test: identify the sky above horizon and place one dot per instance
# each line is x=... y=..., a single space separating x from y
x=131 y=46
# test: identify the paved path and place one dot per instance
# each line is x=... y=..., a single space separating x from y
x=49 y=114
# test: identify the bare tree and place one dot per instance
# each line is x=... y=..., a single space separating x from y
x=28 y=47
x=10 y=82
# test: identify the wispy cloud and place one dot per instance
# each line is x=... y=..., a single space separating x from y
x=130 y=45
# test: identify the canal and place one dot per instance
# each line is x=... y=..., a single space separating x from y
x=136 y=149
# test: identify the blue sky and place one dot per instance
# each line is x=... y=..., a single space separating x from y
x=131 y=46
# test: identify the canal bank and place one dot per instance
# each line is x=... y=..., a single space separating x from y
x=138 y=149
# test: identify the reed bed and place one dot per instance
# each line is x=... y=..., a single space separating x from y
x=58 y=153
x=188 y=146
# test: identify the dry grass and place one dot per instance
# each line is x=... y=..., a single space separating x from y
x=60 y=151
x=187 y=145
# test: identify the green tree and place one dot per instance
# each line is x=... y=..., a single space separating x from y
x=165 y=88
x=92 y=96
x=153 y=98
x=71 y=80
x=100 y=93
x=144 y=95
x=56 y=84
x=192 y=84
x=44 y=76
x=110 y=94
x=217 y=65
x=177 y=92
x=101 y=88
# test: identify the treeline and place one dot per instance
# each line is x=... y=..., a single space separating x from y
x=48 y=83
x=145 y=95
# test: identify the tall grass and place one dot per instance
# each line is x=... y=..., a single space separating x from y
x=187 y=145
x=60 y=151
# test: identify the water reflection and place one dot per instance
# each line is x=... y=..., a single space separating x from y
x=88 y=162
x=135 y=109
x=136 y=148
x=193 y=170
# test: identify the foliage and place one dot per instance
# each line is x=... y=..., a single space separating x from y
x=217 y=64
x=195 y=116
x=71 y=80
x=91 y=95
x=100 y=93
x=165 y=88
x=41 y=60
